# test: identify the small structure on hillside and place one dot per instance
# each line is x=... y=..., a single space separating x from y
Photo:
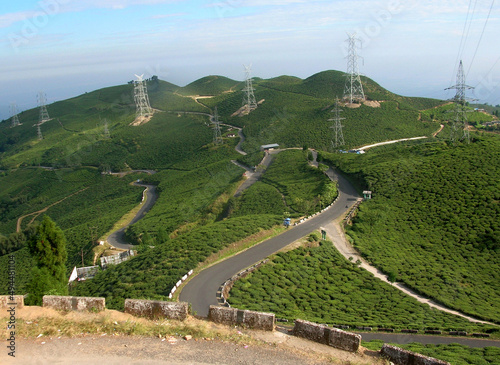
x=83 y=273
x=367 y=194
x=267 y=147
x=116 y=259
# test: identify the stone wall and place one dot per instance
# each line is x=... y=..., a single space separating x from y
x=157 y=309
x=329 y=336
x=5 y=301
x=403 y=357
x=74 y=303
x=234 y=316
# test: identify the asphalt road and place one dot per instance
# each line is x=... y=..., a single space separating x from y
x=403 y=338
x=117 y=238
x=201 y=290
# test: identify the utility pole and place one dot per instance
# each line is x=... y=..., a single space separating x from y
x=248 y=95
x=459 y=126
x=353 y=88
x=143 y=108
x=338 y=136
x=15 y=118
x=217 y=133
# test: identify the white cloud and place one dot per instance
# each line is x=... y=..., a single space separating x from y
x=52 y=8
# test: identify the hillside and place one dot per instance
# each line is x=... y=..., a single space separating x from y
x=210 y=86
x=295 y=112
x=433 y=220
x=66 y=175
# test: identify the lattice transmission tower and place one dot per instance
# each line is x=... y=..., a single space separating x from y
x=143 y=108
x=106 y=129
x=248 y=95
x=15 y=117
x=42 y=104
x=217 y=133
x=353 y=90
x=43 y=115
x=459 y=126
x=338 y=136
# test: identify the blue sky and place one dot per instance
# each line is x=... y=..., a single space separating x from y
x=68 y=47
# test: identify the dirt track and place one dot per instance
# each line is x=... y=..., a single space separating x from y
x=251 y=347
x=37 y=213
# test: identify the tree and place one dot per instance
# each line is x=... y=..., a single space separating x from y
x=48 y=248
x=162 y=236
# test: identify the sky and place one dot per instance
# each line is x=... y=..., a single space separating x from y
x=411 y=47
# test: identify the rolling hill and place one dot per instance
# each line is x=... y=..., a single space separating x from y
x=67 y=171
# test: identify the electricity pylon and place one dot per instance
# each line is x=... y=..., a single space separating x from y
x=106 y=129
x=42 y=103
x=15 y=117
x=459 y=126
x=143 y=108
x=248 y=95
x=338 y=136
x=44 y=114
x=353 y=88
x=217 y=134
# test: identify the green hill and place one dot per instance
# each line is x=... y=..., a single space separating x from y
x=433 y=220
x=66 y=172
x=210 y=85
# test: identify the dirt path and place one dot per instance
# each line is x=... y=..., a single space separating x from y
x=336 y=235
x=439 y=130
x=37 y=213
x=389 y=142
x=234 y=346
x=118 y=350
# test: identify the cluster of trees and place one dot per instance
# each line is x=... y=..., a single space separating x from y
x=318 y=284
x=48 y=250
x=92 y=204
x=16 y=240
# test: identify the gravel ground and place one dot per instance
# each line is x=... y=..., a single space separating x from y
x=122 y=350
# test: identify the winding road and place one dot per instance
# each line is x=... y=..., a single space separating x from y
x=117 y=238
x=201 y=290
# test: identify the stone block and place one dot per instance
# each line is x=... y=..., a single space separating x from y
x=6 y=299
x=157 y=309
x=403 y=357
x=67 y=303
x=259 y=320
x=343 y=340
x=311 y=331
x=223 y=315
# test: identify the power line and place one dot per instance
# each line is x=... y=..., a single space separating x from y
x=481 y=37
x=462 y=43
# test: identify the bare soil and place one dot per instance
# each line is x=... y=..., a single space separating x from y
x=249 y=347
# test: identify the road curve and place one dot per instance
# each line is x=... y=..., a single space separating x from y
x=117 y=238
x=201 y=290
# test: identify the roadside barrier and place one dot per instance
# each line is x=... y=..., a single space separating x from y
x=246 y=318
x=399 y=356
x=67 y=303
x=157 y=309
